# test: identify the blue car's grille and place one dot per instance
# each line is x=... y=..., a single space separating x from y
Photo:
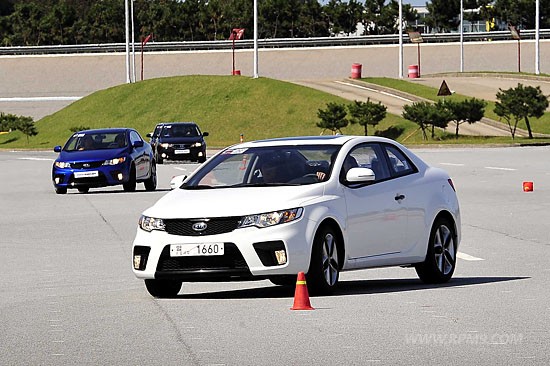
x=184 y=227
x=87 y=165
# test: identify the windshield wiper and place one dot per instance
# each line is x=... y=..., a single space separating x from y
x=200 y=186
x=262 y=185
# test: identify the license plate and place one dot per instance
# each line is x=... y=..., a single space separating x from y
x=184 y=151
x=192 y=250
x=93 y=173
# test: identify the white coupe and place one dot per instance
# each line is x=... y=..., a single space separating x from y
x=319 y=204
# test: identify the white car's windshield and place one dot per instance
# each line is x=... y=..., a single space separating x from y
x=262 y=166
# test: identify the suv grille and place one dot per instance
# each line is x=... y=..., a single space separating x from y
x=184 y=227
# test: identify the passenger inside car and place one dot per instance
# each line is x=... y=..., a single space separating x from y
x=86 y=143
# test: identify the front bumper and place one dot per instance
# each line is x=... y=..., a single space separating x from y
x=249 y=254
x=176 y=152
x=102 y=176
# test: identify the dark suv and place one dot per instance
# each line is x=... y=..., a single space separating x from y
x=178 y=141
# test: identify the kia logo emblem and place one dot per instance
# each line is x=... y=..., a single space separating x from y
x=199 y=226
x=86 y=165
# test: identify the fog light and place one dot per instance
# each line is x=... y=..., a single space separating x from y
x=137 y=261
x=281 y=256
x=164 y=155
x=57 y=180
x=200 y=153
x=120 y=176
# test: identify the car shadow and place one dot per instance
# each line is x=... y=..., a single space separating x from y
x=113 y=191
x=349 y=288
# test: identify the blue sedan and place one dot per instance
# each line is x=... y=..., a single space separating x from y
x=106 y=157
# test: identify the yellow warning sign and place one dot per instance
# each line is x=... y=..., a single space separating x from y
x=444 y=90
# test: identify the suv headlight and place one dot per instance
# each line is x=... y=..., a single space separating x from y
x=150 y=223
x=197 y=144
x=271 y=218
x=165 y=145
x=62 y=164
x=115 y=161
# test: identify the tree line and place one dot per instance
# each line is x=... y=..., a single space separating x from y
x=513 y=105
x=61 y=22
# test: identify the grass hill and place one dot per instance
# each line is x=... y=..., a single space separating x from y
x=225 y=106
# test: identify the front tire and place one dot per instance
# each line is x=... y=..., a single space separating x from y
x=61 y=190
x=130 y=185
x=440 y=262
x=324 y=269
x=163 y=288
x=151 y=182
x=159 y=159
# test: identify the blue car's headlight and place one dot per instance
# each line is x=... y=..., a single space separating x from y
x=271 y=218
x=150 y=223
x=115 y=161
x=62 y=164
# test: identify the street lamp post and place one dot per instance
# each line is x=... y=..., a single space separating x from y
x=127 y=25
x=133 y=42
x=537 y=37
x=400 y=25
x=256 y=75
x=461 y=35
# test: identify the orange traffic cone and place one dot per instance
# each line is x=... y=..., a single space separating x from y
x=301 y=296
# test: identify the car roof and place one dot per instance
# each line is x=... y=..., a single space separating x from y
x=107 y=130
x=313 y=140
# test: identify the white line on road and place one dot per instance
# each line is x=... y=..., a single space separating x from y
x=452 y=164
x=374 y=90
x=499 y=168
x=39 y=99
x=468 y=257
x=36 y=159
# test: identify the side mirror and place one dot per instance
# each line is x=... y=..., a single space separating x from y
x=138 y=144
x=149 y=134
x=57 y=149
x=360 y=175
x=177 y=181
x=205 y=134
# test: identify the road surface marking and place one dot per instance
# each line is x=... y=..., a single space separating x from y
x=499 y=168
x=374 y=90
x=468 y=257
x=36 y=159
x=452 y=164
x=39 y=99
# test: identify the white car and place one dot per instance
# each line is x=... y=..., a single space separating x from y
x=320 y=204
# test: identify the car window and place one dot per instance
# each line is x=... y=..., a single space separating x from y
x=96 y=141
x=399 y=163
x=279 y=165
x=156 y=133
x=367 y=156
x=134 y=137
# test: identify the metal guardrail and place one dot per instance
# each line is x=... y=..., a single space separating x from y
x=272 y=43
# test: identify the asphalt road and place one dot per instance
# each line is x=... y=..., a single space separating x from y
x=68 y=296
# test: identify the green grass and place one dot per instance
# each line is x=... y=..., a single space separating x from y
x=225 y=106
x=540 y=125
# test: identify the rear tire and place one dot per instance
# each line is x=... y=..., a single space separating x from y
x=440 y=262
x=151 y=182
x=61 y=190
x=324 y=269
x=163 y=288
x=130 y=185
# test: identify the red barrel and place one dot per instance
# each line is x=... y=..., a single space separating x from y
x=527 y=186
x=413 y=72
x=356 y=71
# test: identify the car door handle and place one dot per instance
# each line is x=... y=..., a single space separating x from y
x=399 y=197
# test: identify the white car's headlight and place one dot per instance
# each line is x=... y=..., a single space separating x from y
x=271 y=218
x=62 y=164
x=115 y=161
x=150 y=223
x=197 y=144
